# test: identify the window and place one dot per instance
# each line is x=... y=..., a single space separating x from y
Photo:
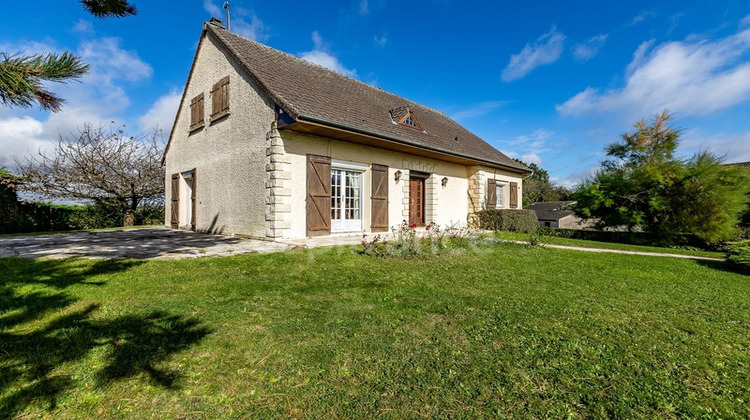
x=404 y=116
x=500 y=194
x=346 y=198
x=196 y=113
x=220 y=99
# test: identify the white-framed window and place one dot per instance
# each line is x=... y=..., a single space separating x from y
x=500 y=194
x=347 y=180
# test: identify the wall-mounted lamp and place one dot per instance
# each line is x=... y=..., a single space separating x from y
x=397 y=176
x=444 y=181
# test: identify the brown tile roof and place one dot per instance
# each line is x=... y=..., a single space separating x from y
x=551 y=210
x=745 y=164
x=310 y=92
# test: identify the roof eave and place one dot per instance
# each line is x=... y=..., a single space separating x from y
x=367 y=133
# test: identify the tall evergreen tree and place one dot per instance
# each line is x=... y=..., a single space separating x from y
x=642 y=184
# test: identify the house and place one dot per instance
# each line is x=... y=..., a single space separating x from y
x=268 y=145
x=558 y=214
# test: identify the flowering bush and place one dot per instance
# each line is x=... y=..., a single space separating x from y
x=409 y=241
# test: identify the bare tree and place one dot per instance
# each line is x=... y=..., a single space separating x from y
x=98 y=164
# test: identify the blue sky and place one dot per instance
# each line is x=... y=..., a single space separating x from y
x=550 y=82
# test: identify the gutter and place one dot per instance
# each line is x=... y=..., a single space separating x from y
x=317 y=120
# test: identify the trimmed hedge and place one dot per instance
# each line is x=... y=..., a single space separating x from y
x=507 y=220
x=624 y=237
x=738 y=253
x=20 y=217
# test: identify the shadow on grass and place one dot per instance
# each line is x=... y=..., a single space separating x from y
x=32 y=349
x=726 y=266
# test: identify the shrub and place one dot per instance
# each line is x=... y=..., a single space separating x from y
x=738 y=253
x=408 y=242
x=507 y=220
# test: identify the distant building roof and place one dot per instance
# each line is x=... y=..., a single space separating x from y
x=310 y=93
x=551 y=210
x=745 y=164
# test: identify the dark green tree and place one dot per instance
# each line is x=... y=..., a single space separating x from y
x=642 y=184
x=22 y=77
x=538 y=187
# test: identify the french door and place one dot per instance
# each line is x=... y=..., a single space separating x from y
x=346 y=200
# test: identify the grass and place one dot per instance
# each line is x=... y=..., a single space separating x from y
x=517 y=236
x=508 y=331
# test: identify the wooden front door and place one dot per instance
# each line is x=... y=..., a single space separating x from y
x=416 y=201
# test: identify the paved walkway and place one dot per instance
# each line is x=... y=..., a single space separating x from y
x=165 y=243
x=152 y=242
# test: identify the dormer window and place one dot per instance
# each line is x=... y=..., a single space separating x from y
x=404 y=116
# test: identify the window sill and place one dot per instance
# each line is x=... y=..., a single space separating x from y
x=218 y=117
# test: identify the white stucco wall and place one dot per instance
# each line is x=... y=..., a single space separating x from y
x=478 y=182
x=228 y=155
x=451 y=203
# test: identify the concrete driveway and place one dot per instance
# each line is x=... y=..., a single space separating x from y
x=152 y=242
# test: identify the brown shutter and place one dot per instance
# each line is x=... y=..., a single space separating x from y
x=514 y=195
x=318 y=195
x=192 y=201
x=379 y=198
x=175 y=207
x=196 y=113
x=220 y=99
x=491 y=194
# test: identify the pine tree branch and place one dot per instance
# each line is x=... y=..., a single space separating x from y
x=109 y=8
x=21 y=78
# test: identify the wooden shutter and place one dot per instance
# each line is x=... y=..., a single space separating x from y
x=318 y=195
x=196 y=113
x=220 y=99
x=379 y=198
x=514 y=195
x=193 y=201
x=175 y=207
x=491 y=193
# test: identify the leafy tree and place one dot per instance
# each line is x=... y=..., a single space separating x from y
x=642 y=184
x=537 y=187
x=21 y=77
x=102 y=165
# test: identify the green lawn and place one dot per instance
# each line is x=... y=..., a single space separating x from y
x=517 y=236
x=509 y=331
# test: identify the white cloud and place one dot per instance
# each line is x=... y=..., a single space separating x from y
x=646 y=14
x=364 y=7
x=572 y=179
x=745 y=22
x=83 y=27
x=162 y=112
x=254 y=29
x=98 y=96
x=478 y=110
x=694 y=77
x=242 y=21
x=381 y=41
x=21 y=137
x=529 y=147
x=214 y=10
x=733 y=147
x=590 y=48
x=320 y=56
x=545 y=50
